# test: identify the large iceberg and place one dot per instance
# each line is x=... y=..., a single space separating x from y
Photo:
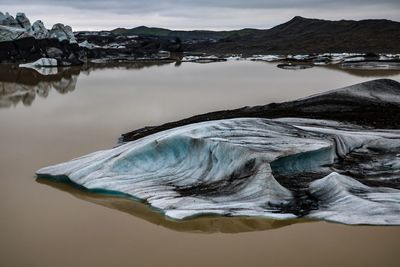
x=22 y=20
x=282 y=168
x=8 y=20
x=38 y=30
x=61 y=32
x=20 y=27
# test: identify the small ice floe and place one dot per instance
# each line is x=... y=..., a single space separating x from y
x=190 y=58
x=301 y=57
x=267 y=58
x=163 y=54
x=354 y=59
x=234 y=58
x=45 y=66
x=113 y=46
x=203 y=59
x=87 y=45
x=294 y=66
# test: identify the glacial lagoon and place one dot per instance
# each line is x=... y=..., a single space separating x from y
x=50 y=119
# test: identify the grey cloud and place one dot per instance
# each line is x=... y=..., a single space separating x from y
x=155 y=5
x=190 y=14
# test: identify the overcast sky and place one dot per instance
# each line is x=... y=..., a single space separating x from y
x=195 y=14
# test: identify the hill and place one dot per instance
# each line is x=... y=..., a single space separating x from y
x=302 y=36
x=299 y=35
x=184 y=35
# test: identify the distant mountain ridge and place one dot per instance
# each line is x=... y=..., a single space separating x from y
x=298 y=35
x=184 y=35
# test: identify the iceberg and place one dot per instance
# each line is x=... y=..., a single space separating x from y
x=20 y=27
x=12 y=33
x=38 y=30
x=62 y=32
x=22 y=20
x=277 y=168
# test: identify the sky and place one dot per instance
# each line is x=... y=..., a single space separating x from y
x=195 y=14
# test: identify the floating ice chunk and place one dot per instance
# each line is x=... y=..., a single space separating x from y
x=42 y=62
x=45 y=66
x=268 y=58
x=87 y=45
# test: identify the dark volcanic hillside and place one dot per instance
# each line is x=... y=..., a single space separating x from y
x=302 y=36
x=184 y=35
x=299 y=35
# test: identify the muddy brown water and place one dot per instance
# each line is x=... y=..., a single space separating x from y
x=53 y=119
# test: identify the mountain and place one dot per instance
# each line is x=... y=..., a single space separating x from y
x=184 y=35
x=143 y=31
x=299 y=35
x=302 y=36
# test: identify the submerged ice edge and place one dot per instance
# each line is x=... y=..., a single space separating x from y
x=226 y=168
x=199 y=224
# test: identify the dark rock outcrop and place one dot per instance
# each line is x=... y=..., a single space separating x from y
x=297 y=36
x=31 y=49
x=21 y=42
x=336 y=105
x=107 y=44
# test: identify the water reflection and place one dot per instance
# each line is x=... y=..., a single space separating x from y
x=20 y=85
x=127 y=65
x=204 y=224
x=387 y=73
